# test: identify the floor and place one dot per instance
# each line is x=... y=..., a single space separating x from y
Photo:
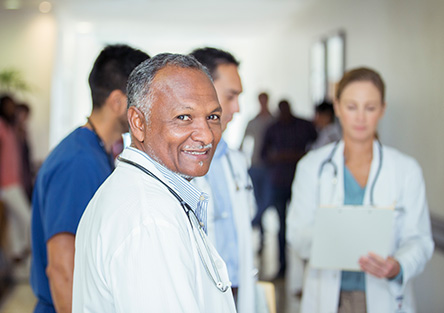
x=19 y=299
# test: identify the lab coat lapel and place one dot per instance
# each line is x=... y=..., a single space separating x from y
x=337 y=191
x=373 y=172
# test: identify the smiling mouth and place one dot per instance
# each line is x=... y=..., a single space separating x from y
x=198 y=150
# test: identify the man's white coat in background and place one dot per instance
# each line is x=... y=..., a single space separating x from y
x=243 y=205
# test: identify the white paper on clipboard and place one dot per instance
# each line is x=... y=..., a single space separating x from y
x=344 y=234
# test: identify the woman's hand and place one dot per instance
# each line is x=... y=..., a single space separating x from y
x=378 y=266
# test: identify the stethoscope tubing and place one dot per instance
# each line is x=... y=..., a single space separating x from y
x=187 y=209
x=329 y=160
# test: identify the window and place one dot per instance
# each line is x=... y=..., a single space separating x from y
x=327 y=66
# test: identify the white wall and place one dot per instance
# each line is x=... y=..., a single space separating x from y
x=27 y=44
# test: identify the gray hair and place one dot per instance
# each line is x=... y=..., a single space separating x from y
x=141 y=78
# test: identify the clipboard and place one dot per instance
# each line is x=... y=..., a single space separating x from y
x=344 y=234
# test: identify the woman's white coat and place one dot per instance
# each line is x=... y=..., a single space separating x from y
x=400 y=183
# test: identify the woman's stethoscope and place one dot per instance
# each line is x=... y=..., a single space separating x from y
x=194 y=222
x=329 y=160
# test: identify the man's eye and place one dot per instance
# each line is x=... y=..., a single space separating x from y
x=184 y=117
x=214 y=117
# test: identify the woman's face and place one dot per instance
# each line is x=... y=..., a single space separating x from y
x=359 y=109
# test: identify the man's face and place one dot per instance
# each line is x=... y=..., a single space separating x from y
x=184 y=126
x=228 y=86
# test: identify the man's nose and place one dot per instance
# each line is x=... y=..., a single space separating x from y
x=236 y=108
x=202 y=132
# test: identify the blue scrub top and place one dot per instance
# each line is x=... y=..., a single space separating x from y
x=65 y=184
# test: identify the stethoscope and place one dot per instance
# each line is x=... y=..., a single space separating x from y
x=235 y=177
x=194 y=222
x=329 y=160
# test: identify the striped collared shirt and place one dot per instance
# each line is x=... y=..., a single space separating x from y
x=197 y=200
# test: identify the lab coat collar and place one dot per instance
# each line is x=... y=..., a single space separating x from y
x=338 y=159
x=184 y=188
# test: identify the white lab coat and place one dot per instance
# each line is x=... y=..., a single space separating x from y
x=400 y=183
x=244 y=205
x=135 y=251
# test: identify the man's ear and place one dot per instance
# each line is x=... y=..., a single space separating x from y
x=137 y=123
x=118 y=102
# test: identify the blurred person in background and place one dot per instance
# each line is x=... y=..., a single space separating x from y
x=12 y=193
x=285 y=142
x=326 y=126
x=259 y=171
x=72 y=173
x=22 y=113
x=359 y=170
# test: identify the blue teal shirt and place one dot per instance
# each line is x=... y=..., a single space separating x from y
x=65 y=184
x=225 y=230
x=353 y=195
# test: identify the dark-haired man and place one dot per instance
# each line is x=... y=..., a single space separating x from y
x=326 y=126
x=72 y=173
x=227 y=182
x=285 y=143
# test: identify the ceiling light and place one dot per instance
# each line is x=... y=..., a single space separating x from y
x=45 y=7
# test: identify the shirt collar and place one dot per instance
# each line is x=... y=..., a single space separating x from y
x=184 y=188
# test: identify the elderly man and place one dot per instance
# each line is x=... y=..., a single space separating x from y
x=232 y=200
x=141 y=244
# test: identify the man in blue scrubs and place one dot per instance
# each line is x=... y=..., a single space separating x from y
x=71 y=175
